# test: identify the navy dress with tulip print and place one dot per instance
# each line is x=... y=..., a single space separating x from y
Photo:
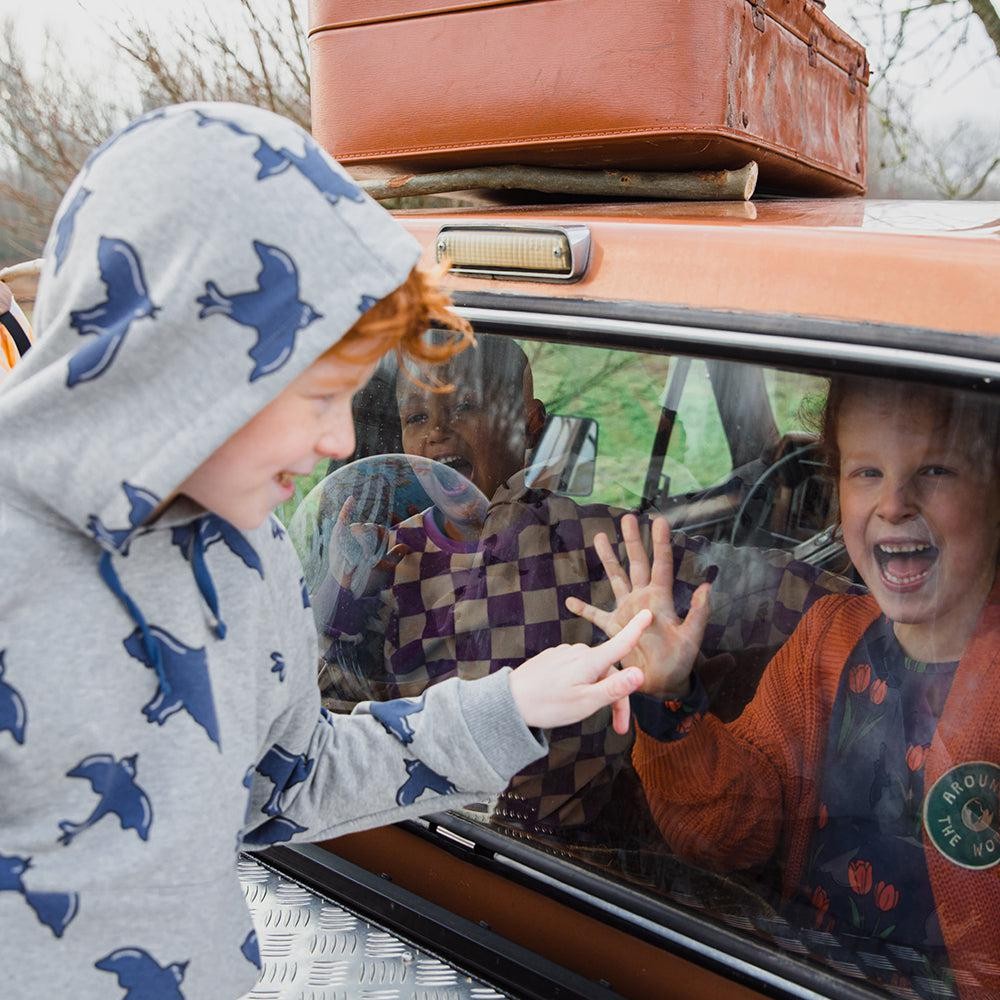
x=866 y=877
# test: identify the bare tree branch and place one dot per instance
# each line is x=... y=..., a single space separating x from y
x=50 y=119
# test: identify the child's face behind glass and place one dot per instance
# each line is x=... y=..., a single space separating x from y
x=921 y=518
x=479 y=429
x=310 y=419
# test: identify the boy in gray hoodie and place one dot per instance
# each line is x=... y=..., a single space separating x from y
x=158 y=702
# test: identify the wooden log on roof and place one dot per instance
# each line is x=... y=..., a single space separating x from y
x=704 y=185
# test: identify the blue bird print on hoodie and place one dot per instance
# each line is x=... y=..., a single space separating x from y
x=421 y=779
x=393 y=716
x=276 y=830
x=278 y=666
x=211 y=529
x=186 y=671
x=312 y=164
x=142 y=977
x=137 y=123
x=286 y=770
x=127 y=300
x=119 y=795
x=250 y=949
x=55 y=910
x=13 y=714
x=142 y=503
x=66 y=225
x=273 y=308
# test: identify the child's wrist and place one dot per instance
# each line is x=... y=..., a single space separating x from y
x=676 y=692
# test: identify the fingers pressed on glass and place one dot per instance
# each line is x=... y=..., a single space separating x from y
x=612 y=567
x=697 y=616
x=663 y=555
x=621 y=683
x=638 y=561
x=604 y=620
x=622 y=643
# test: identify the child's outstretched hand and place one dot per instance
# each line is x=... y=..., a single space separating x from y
x=667 y=651
x=360 y=559
x=566 y=684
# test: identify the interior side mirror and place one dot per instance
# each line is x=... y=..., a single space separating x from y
x=565 y=457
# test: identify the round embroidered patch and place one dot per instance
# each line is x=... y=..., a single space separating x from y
x=962 y=814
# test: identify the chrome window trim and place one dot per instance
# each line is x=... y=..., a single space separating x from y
x=780 y=974
x=796 y=348
x=758 y=976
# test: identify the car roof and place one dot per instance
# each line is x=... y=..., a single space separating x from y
x=926 y=264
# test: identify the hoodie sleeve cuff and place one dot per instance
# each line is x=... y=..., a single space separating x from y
x=497 y=726
x=671 y=720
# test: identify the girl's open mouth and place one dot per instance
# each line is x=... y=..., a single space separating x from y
x=905 y=565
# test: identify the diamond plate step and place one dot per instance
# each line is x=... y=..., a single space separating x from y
x=313 y=949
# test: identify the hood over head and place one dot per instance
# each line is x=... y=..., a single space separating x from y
x=203 y=258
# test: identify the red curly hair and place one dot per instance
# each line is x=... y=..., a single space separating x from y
x=399 y=321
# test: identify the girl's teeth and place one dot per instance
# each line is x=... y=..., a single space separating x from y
x=896 y=549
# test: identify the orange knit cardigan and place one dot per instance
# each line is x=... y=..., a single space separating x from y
x=732 y=796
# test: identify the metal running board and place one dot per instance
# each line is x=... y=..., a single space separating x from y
x=314 y=949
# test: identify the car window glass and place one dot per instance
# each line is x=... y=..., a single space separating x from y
x=620 y=390
x=698 y=449
x=794 y=398
x=800 y=792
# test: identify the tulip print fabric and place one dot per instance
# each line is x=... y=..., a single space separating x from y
x=867 y=873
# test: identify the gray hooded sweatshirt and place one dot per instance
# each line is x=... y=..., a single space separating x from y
x=158 y=701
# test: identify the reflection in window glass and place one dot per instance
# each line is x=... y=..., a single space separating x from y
x=698 y=454
x=794 y=399
x=618 y=389
x=822 y=774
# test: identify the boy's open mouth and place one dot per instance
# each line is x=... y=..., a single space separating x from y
x=905 y=565
x=461 y=465
x=453 y=485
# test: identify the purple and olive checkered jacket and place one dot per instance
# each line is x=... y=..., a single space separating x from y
x=466 y=610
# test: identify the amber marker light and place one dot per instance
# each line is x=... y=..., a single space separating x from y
x=543 y=253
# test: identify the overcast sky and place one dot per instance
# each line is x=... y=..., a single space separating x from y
x=970 y=87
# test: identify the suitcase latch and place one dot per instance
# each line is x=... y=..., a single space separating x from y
x=759 y=14
x=813 y=39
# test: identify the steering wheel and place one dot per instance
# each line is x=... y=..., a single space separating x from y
x=748 y=524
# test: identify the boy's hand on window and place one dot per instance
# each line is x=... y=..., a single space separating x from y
x=569 y=683
x=667 y=651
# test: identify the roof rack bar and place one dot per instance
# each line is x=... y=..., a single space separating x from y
x=701 y=185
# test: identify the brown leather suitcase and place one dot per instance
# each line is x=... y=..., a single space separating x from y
x=629 y=84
